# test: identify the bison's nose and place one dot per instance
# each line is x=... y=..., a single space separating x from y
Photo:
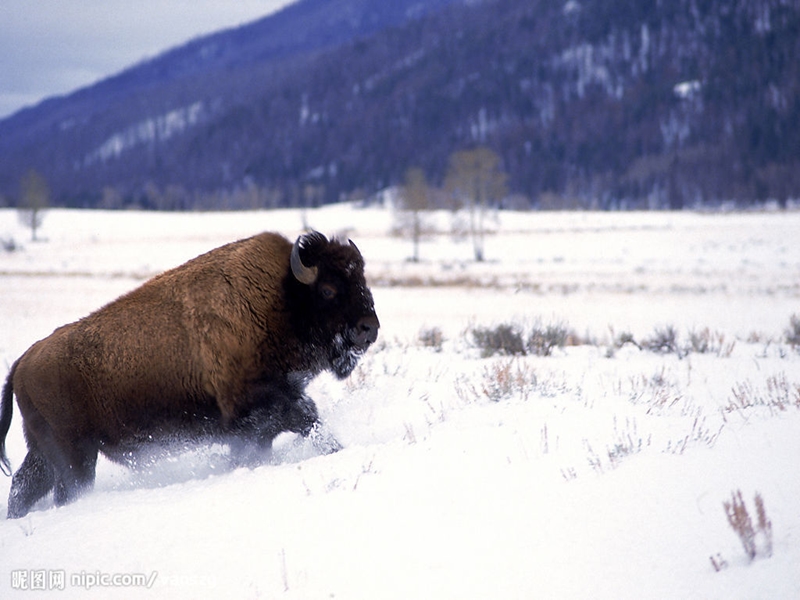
x=366 y=331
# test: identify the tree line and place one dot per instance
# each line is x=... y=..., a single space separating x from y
x=476 y=184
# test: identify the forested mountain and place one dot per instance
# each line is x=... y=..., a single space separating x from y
x=607 y=103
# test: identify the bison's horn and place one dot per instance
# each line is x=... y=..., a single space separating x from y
x=302 y=273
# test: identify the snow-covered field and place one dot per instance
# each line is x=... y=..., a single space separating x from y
x=599 y=471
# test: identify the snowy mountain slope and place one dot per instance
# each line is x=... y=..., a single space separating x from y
x=598 y=103
x=596 y=472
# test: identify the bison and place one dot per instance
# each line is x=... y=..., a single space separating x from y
x=218 y=349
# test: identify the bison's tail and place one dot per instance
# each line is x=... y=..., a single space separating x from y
x=6 y=410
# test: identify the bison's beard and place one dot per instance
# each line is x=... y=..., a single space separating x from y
x=344 y=356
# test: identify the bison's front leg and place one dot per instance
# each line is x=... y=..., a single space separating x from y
x=277 y=408
x=250 y=437
x=302 y=418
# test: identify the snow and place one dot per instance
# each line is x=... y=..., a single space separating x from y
x=149 y=130
x=597 y=472
x=687 y=89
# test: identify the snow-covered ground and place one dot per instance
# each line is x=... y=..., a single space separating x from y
x=597 y=472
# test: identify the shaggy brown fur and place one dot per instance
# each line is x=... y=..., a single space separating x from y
x=221 y=347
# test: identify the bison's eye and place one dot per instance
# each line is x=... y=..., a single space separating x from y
x=327 y=291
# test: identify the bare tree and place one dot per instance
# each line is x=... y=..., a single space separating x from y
x=476 y=182
x=414 y=200
x=34 y=201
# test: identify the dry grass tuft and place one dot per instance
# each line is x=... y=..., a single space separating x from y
x=756 y=539
x=506 y=379
x=779 y=394
x=499 y=381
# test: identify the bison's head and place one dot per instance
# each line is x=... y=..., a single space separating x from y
x=332 y=307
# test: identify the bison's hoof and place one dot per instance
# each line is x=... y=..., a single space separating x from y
x=323 y=441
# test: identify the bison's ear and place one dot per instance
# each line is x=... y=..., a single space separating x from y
x=305 y=274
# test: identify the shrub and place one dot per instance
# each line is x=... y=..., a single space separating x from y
x=542 y=340
x=618 y=341
x=504 y=339
x=626 y=337
x=431 y=338
x=664 y=341
x=508 y=339
x=706 y=342
x=9 y=244
x=793 y=332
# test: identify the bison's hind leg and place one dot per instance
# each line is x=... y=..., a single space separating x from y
x=32 y=481
x=75 y=473
x=69 y=473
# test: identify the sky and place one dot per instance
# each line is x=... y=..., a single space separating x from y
x=53 y=47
